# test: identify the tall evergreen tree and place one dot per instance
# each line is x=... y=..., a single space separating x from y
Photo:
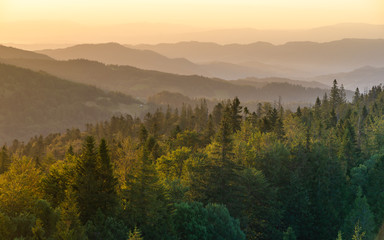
x=5 y=160
x=86 y=182
x=335 y=98
x=235 y=115
x=108 y=197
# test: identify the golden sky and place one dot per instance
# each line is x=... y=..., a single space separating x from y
x=154 y=21
x=262 y=14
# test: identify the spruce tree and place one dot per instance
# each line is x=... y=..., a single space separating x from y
x=235 y=115
x=5 y=160
x=335 y=98
x=107 y=181
x=86 y=182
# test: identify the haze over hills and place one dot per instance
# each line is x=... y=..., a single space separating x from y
x=364 y=78
x=34 y=103
x=145 y=83
x=310 y=57
x=292 y=60
x=154 y=33
x=10 y=52
x=261 y=82
x=113 y=53
x=318 y=34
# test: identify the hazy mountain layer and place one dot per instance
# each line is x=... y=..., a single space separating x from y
x=145 y=83
x=153 y=33
x=261 y=82
x=10 y=52
x=309 y=57
x=364 y=78
x=113 y=53
x=37 y=103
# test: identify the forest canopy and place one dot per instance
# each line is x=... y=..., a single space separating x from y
x=191 y=173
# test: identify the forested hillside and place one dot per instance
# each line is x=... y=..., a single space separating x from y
x=145 y=83
x=37 y=103
x=190 y=173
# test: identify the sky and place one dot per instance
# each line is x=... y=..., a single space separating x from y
x=70 y=21
x=261 y=14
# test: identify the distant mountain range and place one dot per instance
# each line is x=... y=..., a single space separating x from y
x=364 y=78
x=298 y=60
x=319 y=34
x=145 y=83
x=153 y=33
x=262 y=82
x=113 y=53
x=37 y=103
x=10 y=52
x=309 y=57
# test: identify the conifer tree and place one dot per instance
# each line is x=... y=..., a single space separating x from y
x=235 y=115
x=5 y=160
x=360 y=214
x=335 y=98
x=108 y=196
x=86 y=182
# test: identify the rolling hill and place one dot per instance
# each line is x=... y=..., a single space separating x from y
x=144 y=83
x=261 y=82
x=364 y=78
x=37 y=103
x=113 y=53
x=310 y=57
x=10 y=52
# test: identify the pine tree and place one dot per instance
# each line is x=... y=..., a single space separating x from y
x=108 y=196
x=357 y=96
x=222 y=168
x=349 y=151
x=235 y=115
x=360 y=216
x=298 y=111
x=5 y=160
x=86 y=182
x=289 y=234
x=69 y=225
x=335 y=98
x=143 y=134
x=209 y=131
x=143 y=197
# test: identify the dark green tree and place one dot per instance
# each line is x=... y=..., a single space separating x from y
x=5 y=160
x=86 y=181
x=107 y=196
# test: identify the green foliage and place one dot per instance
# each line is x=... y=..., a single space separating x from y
x=135 y=234
x=231 y=174
x=360 y=216
x=5 y=160
x=69 y=225
x=289 y=234
x=192 y=221
x=101 y=227
x=20 y=187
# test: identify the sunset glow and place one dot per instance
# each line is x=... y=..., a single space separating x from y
x=271 y=14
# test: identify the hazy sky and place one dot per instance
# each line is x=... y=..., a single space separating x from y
x=262 y=14
x=40 y=22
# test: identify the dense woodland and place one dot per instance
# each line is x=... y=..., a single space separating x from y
x=191 y=173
